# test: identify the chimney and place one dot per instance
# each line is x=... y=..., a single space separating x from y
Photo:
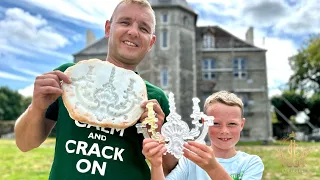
x=249 y=35
x=90 y=37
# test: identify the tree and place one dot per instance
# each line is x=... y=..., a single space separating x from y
x=306 y=66
x=314 y=107
x=297 y=100
x=12 y=104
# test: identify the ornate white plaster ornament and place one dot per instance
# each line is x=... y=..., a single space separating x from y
x=103 y=94
x=176 y=131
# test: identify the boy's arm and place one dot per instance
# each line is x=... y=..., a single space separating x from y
x=203 y=156
x=153 y=151
x=218 y=172
x=157 y=173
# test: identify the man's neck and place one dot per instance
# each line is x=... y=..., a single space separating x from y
x=120 y=64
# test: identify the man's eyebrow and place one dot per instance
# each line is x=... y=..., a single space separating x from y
x=125 y=18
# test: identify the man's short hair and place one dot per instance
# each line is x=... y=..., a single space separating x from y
x=224 y=97
x=143 y=3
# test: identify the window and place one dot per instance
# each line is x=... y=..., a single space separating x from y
x=245 y=100
x=239 y=68
x=208 y=41
x=164 y=17
x=207 y=69
x=164 y=38
x=185 y=21
x=164 y=78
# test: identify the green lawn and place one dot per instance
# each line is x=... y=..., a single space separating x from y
x=36 y=164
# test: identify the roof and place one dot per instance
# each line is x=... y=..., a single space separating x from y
x=223 y=35
x=172 y=3
x=96 y=48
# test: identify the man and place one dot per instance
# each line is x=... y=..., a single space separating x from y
x=78 y=155
x=221 y=160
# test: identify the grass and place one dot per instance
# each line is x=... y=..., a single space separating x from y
x=273 y=162
x=36 y=164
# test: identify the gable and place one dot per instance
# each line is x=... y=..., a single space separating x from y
x=99 y=47
x=223 y=39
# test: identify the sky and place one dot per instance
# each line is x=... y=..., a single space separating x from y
x=37 y=36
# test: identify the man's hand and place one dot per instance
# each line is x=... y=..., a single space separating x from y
x=200 y=154
x=153 y=151
x=157 y=109
x=47 y=88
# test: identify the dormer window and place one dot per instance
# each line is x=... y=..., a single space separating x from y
x=208 y=41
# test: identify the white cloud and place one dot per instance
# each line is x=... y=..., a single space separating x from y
x=27 y=91
x=304 y=19
x=28 y=35
x=26 y=71
x=11 y=76
x=20 y=27
x=279 y=50
x=5 y=48
x=299 y=18
x=77 y=11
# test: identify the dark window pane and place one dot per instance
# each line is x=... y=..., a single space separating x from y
x=164 y=39
x=164 y=77
x=243 y=63
x=165 y=18
x=205 y=64
x=213 y=75
x=205 y=76
x=212 y=63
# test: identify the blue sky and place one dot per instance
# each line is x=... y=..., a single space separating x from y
x=36 y=36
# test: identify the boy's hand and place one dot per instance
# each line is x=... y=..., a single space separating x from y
x=153 y=151
x=200 y=154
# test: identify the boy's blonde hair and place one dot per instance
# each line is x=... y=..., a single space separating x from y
x=224 y=97
x=143 y=3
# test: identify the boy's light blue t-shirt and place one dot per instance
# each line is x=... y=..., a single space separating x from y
x=242 y=166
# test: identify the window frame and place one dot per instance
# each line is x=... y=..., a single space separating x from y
x=164 y=78
x=240 y=68
x=208 y=69
x=208 y=41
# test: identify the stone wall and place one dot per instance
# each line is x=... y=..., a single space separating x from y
x=6 y=127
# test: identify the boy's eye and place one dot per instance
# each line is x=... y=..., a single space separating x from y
x=233 y=124
x=216 y=124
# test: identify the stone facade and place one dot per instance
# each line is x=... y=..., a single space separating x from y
x=197 y=61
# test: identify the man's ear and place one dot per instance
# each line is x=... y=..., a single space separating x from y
x=153 y=40
x=107 y=29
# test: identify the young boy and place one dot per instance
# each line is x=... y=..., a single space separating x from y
x=221 y=160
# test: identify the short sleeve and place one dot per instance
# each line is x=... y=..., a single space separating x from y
x=180 y=172
x=254 y=170
x=52 y=111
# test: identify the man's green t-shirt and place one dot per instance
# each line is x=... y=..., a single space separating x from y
x=83 y=151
